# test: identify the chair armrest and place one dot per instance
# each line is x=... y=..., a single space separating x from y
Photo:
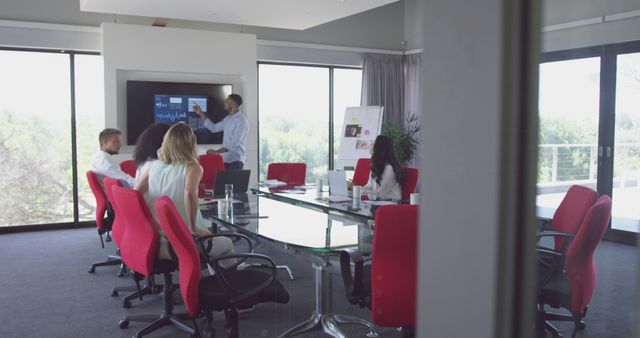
x=353 y=283
x=236 y=235
x=236 y=295
x=544 y=223
x=554 y=234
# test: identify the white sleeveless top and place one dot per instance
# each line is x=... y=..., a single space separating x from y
x=169 y=180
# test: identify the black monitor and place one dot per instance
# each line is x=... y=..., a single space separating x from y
x=170 y=102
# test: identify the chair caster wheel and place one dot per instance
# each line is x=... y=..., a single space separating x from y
x=114 y=293
x=92 y=269
x=126 y=304
x=123 y=324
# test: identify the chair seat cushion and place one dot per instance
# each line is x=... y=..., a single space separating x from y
x=213 y=297
x=557 y=292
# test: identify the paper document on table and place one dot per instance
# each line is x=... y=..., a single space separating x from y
x=202 y=201
x=274 y=183
x=381 y=202
x=292 y=191
x=338 y=199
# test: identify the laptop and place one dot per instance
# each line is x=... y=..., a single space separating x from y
x=239 y=179
x=338 y=191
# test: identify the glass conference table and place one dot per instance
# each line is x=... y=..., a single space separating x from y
x=305 y=226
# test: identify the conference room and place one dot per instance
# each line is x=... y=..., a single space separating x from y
x=512 y=129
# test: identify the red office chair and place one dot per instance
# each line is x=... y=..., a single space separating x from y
x=572 y=283
x=570 y=213
x=104 y=219
x=117 y=230
x=290 y=173
x=139 y=248
x=388 y=285
x=129 y=167
x=211 y=164
x=229 y=289
x=410 y=182
x=362 y=172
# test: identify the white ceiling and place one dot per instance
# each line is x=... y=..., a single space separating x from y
x=290 y=14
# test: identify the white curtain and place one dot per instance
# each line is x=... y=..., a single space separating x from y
x=413 y=94
x=412 y=91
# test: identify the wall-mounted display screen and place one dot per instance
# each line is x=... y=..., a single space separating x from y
x=171 y=102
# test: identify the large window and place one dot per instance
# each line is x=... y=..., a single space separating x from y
x=89 y=85
x=296 y=104
x=36 y=153
x=569 y=108
x=590 y=129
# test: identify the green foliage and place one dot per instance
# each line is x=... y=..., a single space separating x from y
x=405 y=140
x=283 y=140
x=35 y=159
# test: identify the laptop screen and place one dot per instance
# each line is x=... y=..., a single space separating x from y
x=239 y=179
x=338 y=183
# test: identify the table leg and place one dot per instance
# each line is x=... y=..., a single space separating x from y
x=322 y=318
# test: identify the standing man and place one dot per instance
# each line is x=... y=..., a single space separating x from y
x=235 y=128
x=105 y=163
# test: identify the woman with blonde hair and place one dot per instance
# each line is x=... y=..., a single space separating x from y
x=177 y=174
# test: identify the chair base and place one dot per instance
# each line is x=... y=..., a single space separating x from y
x=133 y=293
x=111 y=260
x=158 y=322
x=579 y=324
x=328 y=323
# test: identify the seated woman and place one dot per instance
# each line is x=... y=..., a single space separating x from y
x=147 y=145
x=176 y=174
x=385 y=180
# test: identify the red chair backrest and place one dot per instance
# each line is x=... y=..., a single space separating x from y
x=139 y=245
x=579 y=264
x=410 y=177
x=183 y=245
x=211 y=164
x=361 y=172
x=393 y=266
x=101 y=198
x=291 y=173
x=572 y=210
x=129 y=167
x=117 y=228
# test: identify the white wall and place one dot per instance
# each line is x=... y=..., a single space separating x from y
x=380 y=27
x=566 y=11
x=132 y=52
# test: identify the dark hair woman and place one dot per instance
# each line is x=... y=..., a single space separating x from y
x=147 y=146
x=386 y=172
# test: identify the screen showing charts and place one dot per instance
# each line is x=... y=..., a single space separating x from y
x=179 y=108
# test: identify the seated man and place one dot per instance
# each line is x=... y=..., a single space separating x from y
x=104 y=163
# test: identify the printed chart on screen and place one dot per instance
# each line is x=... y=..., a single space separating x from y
x=360 y=128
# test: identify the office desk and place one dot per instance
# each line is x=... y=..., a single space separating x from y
x=313 y=234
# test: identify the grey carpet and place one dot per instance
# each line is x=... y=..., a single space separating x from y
x=45 y=291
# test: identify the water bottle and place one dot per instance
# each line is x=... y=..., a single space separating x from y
x=228 y=196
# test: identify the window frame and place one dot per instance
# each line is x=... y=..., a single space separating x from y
x=606 y=125
x=74 y=155
x=331 y=68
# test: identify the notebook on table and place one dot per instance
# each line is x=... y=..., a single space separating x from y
x=338 y=191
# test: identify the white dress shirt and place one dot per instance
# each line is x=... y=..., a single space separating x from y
x=388 y=188
x=105 y=164
x=235 y=128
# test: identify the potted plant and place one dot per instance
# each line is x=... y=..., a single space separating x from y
x=405 y=139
